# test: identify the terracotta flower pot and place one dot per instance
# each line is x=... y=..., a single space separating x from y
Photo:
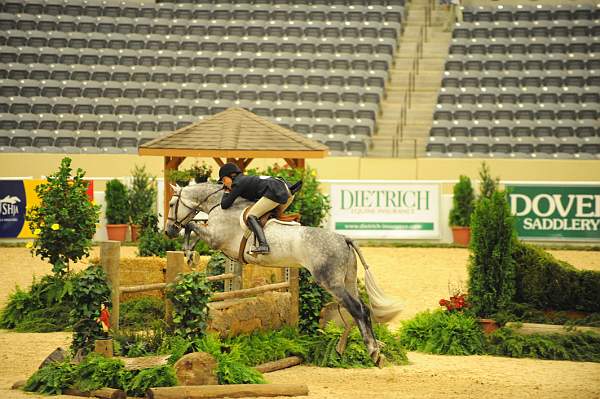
x=461 y=235
x=135 y=229
x=488 y=325
x=116 y=232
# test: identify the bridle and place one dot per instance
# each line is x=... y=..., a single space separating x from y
x=193 y=209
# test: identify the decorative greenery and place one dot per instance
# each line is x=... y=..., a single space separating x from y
x=44 y=308
x=90 y=290
x=140 y=312
x=491 y=267
x=52 y=379
x=65 y=220
x=262 y=347
x=322 y=348
x=141 y=195
x=153 y=242
x=180 y=177
x=152 y=338
x=161 y=376
x=200 y=172
x=447 y=333
x=487 y=185
x=189 y=294
x=462 y=203
x=311 y=301
x=97 y=371
x=309 y=202
x=214 y=267
x=544 y=282
x=117 y=204
x=583 y=347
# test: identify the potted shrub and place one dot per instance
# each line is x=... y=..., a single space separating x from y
x=180 y=177
x=117 y=210
x=462 y=207
x=141 y=198
x=200 y=172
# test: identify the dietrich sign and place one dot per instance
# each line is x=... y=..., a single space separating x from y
x=556 y=212
x=386 y=210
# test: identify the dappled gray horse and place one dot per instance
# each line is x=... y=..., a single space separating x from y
x=328 y=256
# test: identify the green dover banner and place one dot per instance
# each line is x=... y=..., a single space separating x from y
x=386 y=210
x=556 y=212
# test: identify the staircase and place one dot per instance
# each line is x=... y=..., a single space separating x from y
x=415 y=78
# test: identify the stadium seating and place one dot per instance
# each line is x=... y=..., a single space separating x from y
x=521 y=81
x=102 y=77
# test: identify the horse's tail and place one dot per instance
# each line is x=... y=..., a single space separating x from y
x=383 y=307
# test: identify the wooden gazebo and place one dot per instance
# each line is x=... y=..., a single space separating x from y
x=235 y=135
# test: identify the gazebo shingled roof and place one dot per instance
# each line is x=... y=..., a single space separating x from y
x=237 y=135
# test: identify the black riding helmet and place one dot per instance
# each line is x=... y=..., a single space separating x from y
x=228 y=169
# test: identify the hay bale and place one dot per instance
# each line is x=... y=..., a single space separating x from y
x=142 y=271
x=255 y=276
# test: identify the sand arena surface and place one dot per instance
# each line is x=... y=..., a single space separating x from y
x=417 y=276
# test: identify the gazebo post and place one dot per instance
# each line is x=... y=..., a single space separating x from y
x=295 y=163
x=170 y=163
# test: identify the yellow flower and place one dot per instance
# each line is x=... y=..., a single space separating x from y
x=29 y=245
x=37 y=231
x=314 y=173
x=55 y=226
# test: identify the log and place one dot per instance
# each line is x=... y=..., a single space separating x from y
x=143 y=287
x=279 y=364
x=227 y=391
x=535 y=328
x=145 y=362
x=224 y=276
x=220 y=296
x=18 y=384
x=102 y=393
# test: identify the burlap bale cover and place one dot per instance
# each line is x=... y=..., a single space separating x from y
x=268 y=311
x=196 y=368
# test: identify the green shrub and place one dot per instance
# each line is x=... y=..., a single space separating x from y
x=97 y=372
x=311 y=301
x=214 y=267
x=153 y=242
x=441 y=332
x=491 y=267
x=52 y=379
x=261 y=347
x=141 y=195
x=579 y=346
x=189 y=294
x=90 y=290
x=462 y=203
x=161 y=376
x=322 y=348
x=65 y=220
x=544 y=282
x=117 y=203
x=141 y=312
x=487 y=184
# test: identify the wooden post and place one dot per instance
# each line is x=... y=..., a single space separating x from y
x=104 y=347
x=292 y=275
x=175 y=265
x=110 y=252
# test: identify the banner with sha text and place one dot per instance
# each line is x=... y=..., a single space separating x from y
x=556 y=212
x=386 y=210
x=16 y=198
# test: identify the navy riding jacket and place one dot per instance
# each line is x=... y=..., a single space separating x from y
x=253 y=188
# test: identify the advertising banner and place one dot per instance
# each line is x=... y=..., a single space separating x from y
x=556 y=212
x=386 y=210
x=16 y=197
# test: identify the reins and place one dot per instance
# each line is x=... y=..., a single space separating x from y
x=193 y=209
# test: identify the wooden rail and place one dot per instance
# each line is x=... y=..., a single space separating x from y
x=162 y=286
x=221 y=296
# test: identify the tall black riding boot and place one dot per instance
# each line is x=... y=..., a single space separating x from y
x=259 y=234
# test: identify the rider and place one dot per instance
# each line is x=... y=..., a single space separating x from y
x=268 y=193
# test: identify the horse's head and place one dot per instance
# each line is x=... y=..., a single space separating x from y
x=185 y=205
